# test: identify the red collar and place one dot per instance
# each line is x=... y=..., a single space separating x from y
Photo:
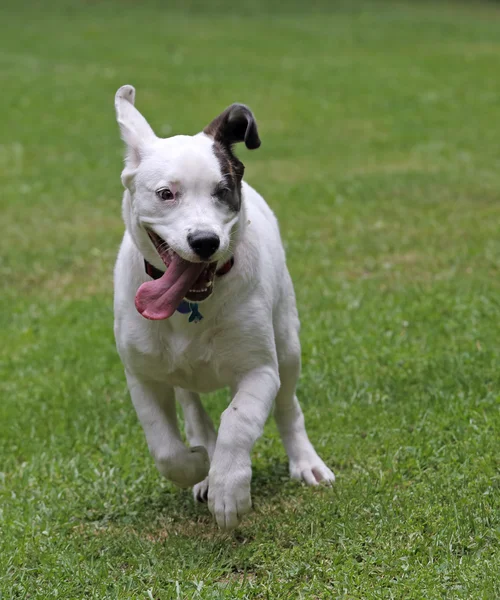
x=155 y=273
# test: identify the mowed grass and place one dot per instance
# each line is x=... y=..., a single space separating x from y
x=381 y=157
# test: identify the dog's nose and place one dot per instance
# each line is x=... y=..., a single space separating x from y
x=204 y=243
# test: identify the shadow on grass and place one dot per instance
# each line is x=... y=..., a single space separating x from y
x=157 y=515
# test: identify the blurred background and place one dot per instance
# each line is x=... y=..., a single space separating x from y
x=380 y=128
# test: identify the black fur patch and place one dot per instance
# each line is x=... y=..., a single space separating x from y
x=235 y=124
x=229 y=191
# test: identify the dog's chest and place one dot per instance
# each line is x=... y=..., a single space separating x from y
x=195 y=360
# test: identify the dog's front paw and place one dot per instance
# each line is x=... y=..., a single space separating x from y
x=229 y=494
x=311 y=469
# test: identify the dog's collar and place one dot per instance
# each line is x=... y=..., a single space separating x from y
x=186 y=307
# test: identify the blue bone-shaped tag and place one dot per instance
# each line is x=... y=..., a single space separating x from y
x=195 y=316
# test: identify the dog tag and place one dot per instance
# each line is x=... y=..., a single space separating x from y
x=195 y=316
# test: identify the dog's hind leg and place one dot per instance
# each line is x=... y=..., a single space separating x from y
x=154 y=403
x=200 y=431
x=305 y=464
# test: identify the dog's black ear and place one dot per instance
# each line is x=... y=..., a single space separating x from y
x=235 y=124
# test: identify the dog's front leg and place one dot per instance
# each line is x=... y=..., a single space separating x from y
x=241 y=425
x=154 y=403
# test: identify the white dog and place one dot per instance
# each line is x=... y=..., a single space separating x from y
x=203 y=300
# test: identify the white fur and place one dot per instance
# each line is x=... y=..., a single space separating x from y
x=248 y=339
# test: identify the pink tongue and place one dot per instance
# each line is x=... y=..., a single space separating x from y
x=159 y=299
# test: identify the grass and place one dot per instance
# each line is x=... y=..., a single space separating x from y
x=380 y=124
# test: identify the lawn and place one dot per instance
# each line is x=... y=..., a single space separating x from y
x=380 y=127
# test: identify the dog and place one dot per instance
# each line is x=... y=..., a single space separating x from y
x=203 y=300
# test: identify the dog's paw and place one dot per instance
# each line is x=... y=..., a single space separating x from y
x=312 y=470
x=200 y=491
x=185 y=468
x=229 y=495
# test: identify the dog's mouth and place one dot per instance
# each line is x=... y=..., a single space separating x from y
x=182 y=279
x=202 y=288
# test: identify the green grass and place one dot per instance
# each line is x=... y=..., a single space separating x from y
x=381 y=157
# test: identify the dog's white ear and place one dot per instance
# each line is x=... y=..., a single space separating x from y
x=135 y=130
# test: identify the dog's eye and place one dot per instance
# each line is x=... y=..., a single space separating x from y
x=164 y=194
x=222 y=194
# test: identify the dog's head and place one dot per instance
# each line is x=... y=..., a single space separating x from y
x=184 y=199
